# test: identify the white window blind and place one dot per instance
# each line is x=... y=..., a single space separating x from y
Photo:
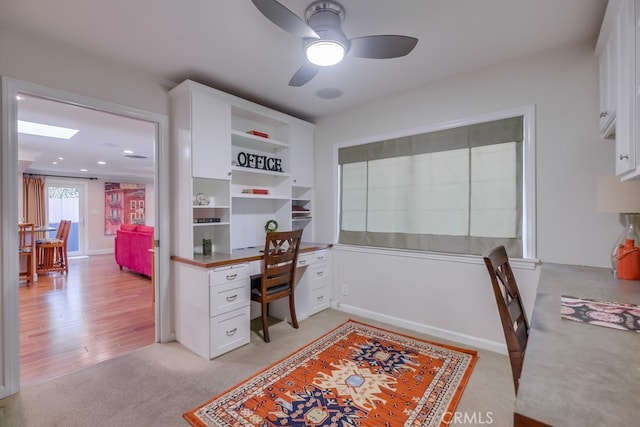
x=457 y=190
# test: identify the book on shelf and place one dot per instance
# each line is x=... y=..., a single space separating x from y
x=258 y=133
x=255 y=191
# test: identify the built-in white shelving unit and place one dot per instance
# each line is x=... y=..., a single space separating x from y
x=254 y=164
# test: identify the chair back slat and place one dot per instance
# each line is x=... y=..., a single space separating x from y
x=512 y=314
x=26 y=239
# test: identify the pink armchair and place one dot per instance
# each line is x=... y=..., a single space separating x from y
x=132 y=244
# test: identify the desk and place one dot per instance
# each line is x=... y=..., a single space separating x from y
x=212 y=306
x=577 y=374
x=239 y=255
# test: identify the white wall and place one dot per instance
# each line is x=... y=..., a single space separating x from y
x=562 y=84
x=59 y=66
x=37 y=60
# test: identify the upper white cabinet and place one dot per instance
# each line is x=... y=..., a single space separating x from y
x=617 y=50
x=608 y=58
x=235 y=168
x=626 y=160
x=202 y=125
x=302 y=156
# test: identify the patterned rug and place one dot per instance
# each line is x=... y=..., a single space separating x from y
x=614 y=315
x=356 y=375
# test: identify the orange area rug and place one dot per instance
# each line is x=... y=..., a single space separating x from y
x=355 y=375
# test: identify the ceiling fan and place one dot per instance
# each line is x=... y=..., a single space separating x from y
x=323 y=41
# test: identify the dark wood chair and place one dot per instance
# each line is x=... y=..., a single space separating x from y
x=26 y=250
x=52 y=253
x=512 y=313
x=278 y=274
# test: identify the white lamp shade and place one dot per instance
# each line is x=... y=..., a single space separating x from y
x=616 y=196
x=325 y=53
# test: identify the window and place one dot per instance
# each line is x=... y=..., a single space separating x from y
x=457 y=190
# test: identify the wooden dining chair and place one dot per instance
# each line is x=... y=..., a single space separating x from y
x=26 y=251
x=52 y=253
x=512 y=313
x=278 y=274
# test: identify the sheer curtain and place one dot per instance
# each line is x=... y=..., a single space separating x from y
x=33 y=199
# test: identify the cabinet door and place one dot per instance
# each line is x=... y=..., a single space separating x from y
x=210 y=136
x=301 y=142
x=625 y=114
x=608 y=85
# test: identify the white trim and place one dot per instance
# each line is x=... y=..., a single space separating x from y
x=529 y=163
x=101 y=251
x=10 y=347
x=516 y=263
x=10 y=315
x=456 y=337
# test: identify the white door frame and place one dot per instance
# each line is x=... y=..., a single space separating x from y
x=9 y=311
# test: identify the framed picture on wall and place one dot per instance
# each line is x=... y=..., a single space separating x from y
x=123 y=204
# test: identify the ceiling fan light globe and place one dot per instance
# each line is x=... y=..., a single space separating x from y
x=325 y=53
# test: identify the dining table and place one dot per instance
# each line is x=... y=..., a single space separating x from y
x=43 y=229
x=38 y=230
x=575 y=373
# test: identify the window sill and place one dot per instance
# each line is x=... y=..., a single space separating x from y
x=516 y=263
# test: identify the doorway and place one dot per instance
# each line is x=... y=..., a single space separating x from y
x=66 y=200
x=11 y=89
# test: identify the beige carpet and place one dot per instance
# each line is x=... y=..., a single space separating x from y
x=154 y=386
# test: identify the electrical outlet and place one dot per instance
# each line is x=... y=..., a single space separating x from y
x=345 y=289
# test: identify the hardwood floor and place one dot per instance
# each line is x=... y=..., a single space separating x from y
x=94 y=313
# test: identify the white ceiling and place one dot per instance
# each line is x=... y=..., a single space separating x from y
x=230 y=45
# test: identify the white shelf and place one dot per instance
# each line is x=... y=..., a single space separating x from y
x=260 y=196
x=253 y=171
x=254 y=142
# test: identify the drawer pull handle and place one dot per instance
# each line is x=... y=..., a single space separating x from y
x=626 y=156
x=302 y=262
x=231 y=276
x=320 y=273
x=320 y=298
x=320 y=258
x=231 y=332
x=232 y=297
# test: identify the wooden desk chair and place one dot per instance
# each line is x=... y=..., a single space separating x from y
x=26 y=250
x=278 y=274
x=52 y=253
x=512 y=314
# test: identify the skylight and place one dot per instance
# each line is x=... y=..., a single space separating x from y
x=40 y=129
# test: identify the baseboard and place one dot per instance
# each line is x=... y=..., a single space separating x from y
x=457 y=337
x=100 y=251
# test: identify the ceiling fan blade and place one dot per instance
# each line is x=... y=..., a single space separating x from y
x=285 y=19
x=304 y=74
x=382 y=47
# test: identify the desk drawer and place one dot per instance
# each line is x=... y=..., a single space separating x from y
x=320 y=299
x=318 y=274
x=228 y=273
x=228 y=297
x=304 y=260
x=320 y=256
x=229 y=331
